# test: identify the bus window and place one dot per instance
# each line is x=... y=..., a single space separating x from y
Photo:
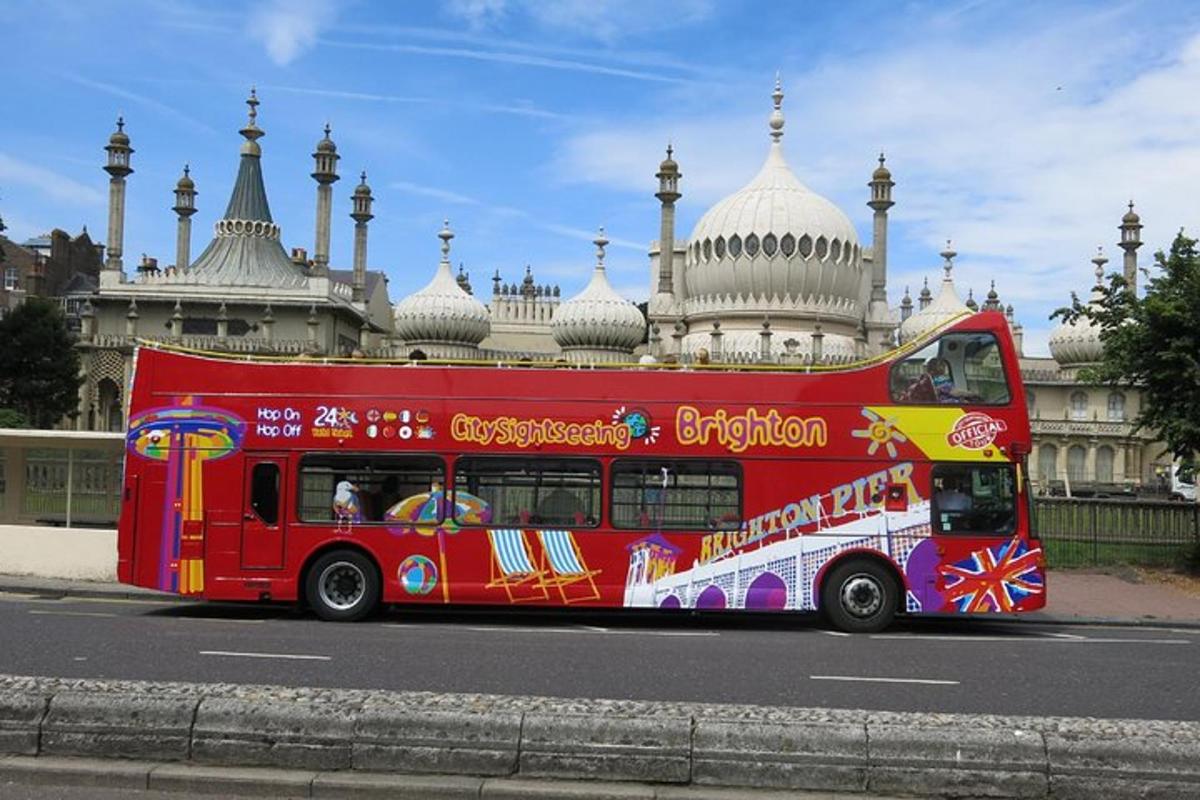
x=363 y=488
x=958 y=368
x=974 y=499
x=533 y=491
x=264 y=492
x=697 y=494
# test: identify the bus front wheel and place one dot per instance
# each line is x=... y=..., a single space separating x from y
x=342 y=586
x=860 y=596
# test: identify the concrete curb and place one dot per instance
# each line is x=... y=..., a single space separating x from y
x=499 y=746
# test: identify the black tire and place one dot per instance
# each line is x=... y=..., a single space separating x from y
x=860 y=596
x=342 y=586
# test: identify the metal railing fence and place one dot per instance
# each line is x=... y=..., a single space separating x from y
x=1093 y=533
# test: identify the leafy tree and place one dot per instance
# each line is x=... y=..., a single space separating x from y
x=12 y=419
x=39 y=365
x=1153 y=343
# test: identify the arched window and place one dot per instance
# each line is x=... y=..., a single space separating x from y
x=109 y=415
x=1104 y=464
x=1079 y=403
x=1116 y=407
x=1047 y=464
x=1030 y=397
x=1077 y=463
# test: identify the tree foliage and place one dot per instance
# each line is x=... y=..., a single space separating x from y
x=1153 y=343
x=39 y=365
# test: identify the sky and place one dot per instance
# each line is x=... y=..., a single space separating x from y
x=1019 y=131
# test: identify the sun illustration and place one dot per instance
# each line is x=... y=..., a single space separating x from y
x=881 y=433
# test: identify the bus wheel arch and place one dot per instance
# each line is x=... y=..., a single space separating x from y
x=861 y=593
x=342 y=582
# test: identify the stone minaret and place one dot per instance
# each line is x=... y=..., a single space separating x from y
x=1131 y=240
x=881 y=183
x=118 y=169
x=325 y=174
x=185 y=206
x=361 y=215
x=668 y=192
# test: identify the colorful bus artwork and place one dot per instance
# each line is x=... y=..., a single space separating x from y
x=895 y=486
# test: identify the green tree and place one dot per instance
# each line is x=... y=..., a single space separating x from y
x=39 y=365
x=1153 y=343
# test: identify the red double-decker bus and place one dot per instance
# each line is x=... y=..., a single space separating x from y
x=890 y=487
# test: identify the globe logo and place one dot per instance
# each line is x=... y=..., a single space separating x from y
x=418 y=575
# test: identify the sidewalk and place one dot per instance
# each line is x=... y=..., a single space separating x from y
x=1120 y=597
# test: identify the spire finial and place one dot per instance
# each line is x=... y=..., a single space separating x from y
x=362 y=178
x=601 y=241
x=776 y=122
x=187 y=170
x=252 y=131
x=445 y=234
x=252 y=101
x=328 y=129
x=121 y=128
x=1099 y=261
x=670 y=149
x=949 y=255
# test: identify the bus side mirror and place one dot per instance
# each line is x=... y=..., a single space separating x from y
x=897 y=498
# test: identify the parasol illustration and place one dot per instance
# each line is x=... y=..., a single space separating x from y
x=184 y=436
x=434 y=514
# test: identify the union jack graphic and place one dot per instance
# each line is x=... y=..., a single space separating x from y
x=994 y=580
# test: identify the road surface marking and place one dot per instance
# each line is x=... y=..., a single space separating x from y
x=292 y=656
x=1041 y=638
x=835 y=633
x=43 y=612
x=586 y=629
x=860 y=679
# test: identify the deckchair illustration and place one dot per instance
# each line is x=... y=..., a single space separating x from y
x=562 y=566
x=512 y=566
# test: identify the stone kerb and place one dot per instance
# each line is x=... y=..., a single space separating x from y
x=398 y=734
x=642 y=744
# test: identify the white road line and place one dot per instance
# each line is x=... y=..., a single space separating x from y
x=835 y=633
x=1043 y=638
x=71 y=613
x=291 y=656
x=861 y=679
x=584 y=629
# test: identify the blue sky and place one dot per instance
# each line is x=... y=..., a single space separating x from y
x=1018 y=130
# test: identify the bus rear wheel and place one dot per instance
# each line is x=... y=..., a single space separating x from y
x=342 y=586
x=860 y=596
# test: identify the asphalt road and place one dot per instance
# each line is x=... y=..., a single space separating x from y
x=932 y=666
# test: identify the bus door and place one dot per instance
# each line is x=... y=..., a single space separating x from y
x=264 y=521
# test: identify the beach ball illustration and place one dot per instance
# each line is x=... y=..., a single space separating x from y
x=418 y=575
x=638 y=422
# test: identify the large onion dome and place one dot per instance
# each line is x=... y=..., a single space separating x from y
x=943 y=308
x=1078 y=342
x=598 y=324
x=441 y=318
x=776 y=238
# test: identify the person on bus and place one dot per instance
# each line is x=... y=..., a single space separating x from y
x=934 y=385
x=951 y=496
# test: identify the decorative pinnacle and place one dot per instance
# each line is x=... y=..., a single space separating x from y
x=445 y=234
x=186 y=170
x=670 y=149
x=328 y=129
x=1099 y=261
x=601 y=242
x=776 y=122
x=881 y=158
x=121 y=129
x=949 y=255
x=252 y=131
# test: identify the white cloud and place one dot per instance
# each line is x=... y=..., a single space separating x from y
x=435 y=193
x=604 y=20
x=58 y=188
x=141 y=99
x=1024 y=149
x=289 y=27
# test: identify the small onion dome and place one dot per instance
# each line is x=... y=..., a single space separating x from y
x=1078 y=342
x=598 y=318
x=881 y=173
x=326 y=144
x=185 y=182
x=1130 y=218
x=945 y=307
x=442 y=312
x=668 y=164
x=363 y=190
x=119 y=136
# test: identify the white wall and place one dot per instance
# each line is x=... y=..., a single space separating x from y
x=50 y=552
